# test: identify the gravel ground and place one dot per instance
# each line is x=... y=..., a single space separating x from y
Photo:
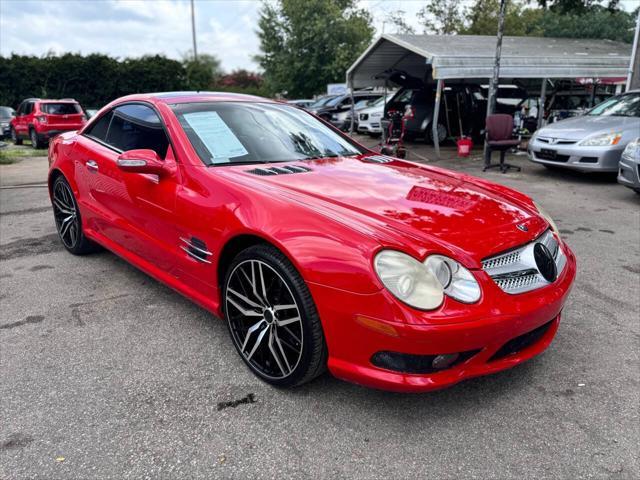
x=105 y=373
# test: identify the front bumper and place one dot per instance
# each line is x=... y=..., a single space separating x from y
x=629 y=173
x=359 y=326
x=373 y=127
x=575 y=157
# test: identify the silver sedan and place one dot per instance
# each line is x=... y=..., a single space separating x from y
x=629 y=173
x=593 y=142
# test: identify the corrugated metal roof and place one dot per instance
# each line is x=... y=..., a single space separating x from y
x=472 y=56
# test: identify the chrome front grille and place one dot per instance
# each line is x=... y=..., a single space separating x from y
x=501 y=260
x=515 y=283
x=516 y=271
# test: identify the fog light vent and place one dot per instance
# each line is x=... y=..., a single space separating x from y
x=409 y=363
x=440 y=362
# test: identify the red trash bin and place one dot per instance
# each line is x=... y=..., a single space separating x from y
x=465 y=144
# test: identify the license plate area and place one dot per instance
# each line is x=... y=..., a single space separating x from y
x=548 y=154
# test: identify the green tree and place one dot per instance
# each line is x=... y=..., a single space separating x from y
x=577 y=6
x=482 y=19
x=150 y=73
x=203 y=73
x=398 y=23
x=442 y=16
x=597 y=22
x=306 y=44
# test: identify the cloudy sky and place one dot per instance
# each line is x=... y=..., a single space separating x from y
x=226 y=28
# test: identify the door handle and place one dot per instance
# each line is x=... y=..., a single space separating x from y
x=92 y=165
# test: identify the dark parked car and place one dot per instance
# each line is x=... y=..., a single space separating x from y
x=320 y=102
x=337 y=109
x=6 y=114
x=463 y=107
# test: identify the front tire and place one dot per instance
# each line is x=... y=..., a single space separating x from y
x=68 y=221
x=272 y=318
x=14 y=137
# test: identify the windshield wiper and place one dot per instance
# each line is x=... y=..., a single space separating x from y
x=331 y=155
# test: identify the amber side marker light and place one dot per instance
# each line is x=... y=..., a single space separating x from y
x=377 y=325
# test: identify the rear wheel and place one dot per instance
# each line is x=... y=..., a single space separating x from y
x=35 y=141
x=272 y=319
x=67 y=217
x=14 y=137
x=442 y=133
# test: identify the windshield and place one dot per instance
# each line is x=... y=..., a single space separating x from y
x=60 y=108
x=321 y=102
x=333 y=101
x=377 y=103
x=6 y=112
x=622 y=106
x=239 y=132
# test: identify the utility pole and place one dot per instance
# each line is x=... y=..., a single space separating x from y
x=193 y=31
x=493 y=84
x=633 y=77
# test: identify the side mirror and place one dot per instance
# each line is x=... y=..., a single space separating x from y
x=142 y=161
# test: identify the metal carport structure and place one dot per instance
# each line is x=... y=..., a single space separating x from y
x=444 y=57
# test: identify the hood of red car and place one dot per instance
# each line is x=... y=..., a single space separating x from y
x=414 y=201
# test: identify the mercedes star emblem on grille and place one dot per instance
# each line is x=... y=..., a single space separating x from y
x=545 y=262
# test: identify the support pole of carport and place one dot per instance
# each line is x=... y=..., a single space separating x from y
x=434 y=120
x=543 y=97
x=494 y=83
x=353 y=107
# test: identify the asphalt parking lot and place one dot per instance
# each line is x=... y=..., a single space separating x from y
x=106 y=373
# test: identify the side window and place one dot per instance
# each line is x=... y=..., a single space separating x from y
x=20 y=109
x=99 y=129
x=28 y=108
x=137 y=126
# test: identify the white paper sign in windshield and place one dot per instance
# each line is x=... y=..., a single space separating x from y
x=216 y=136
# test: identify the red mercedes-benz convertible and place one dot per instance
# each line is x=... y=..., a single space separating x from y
x=318 y=252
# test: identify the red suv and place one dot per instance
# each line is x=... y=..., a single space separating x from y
x=39 y=120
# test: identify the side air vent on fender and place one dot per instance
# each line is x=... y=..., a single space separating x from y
x=196 y=249
x=284 y=170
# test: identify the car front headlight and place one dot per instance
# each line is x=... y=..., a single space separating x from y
x=632 y=149
x=423 y=285
x=457 y=282
x=376 y=115
x=548 y=218
x=602 y=140
x=408 y=280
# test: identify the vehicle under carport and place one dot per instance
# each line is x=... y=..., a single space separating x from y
x=470 y=58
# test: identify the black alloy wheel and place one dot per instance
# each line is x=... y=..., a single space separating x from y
x=272 y=318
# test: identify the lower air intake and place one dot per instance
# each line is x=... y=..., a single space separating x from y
x=518 y=344
x=419 y=364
